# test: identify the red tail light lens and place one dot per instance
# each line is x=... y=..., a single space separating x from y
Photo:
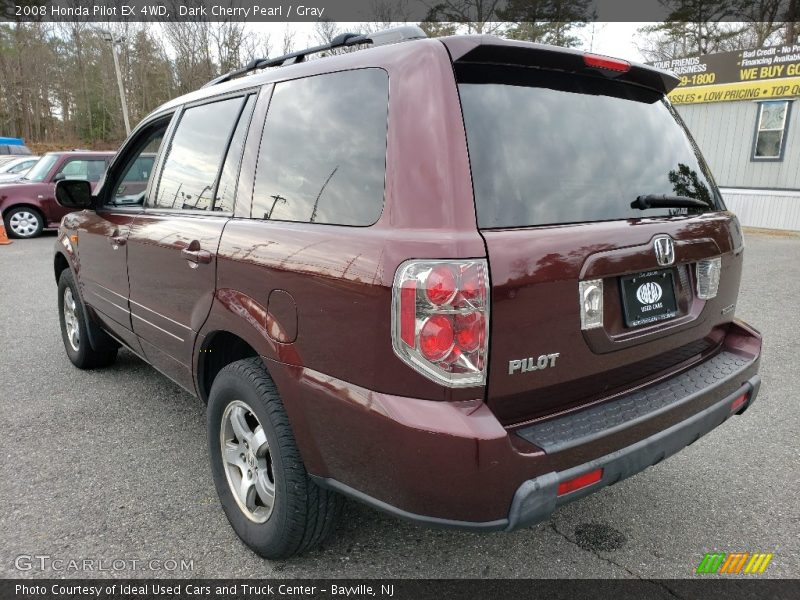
x=580 y=482
x=440 y=284
x=739 y=402
x=606 y=62
x=470 y=329
x=440 y=314
x=436 y=338
x=408 y=317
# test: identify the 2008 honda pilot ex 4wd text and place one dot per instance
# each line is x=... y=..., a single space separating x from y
x=462 y=280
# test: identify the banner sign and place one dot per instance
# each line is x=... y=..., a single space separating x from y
x=757 y=74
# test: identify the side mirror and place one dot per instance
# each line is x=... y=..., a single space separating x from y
x=74 y=193
x=59 y=177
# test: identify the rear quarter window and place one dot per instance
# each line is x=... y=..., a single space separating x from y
x=551 y=148
x=323 y=150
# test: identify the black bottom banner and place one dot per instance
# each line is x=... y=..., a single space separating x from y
x=402 y=589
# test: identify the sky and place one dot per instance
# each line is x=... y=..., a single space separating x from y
x=612 y=39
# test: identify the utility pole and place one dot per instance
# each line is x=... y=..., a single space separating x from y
x=109 y=37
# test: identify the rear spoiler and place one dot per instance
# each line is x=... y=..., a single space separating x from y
x=486 y=49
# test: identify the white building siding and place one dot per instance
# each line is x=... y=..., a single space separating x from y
x=724 y=132
x=760 y=208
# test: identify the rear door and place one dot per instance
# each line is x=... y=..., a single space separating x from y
x=173 y=244
x=557 y=160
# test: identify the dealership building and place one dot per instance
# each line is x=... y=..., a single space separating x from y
x=738 y=107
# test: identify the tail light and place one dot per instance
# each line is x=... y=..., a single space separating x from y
x=708 y=271
x=606 y=62
x=440 y=319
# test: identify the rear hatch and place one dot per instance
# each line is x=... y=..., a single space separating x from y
x=559 y=151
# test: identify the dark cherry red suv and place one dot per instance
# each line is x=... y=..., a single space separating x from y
x=463 y=280
x=29 y=205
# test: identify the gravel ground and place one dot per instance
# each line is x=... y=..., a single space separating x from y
x=112 y=464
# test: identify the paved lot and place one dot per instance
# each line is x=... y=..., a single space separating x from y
x=112 y=464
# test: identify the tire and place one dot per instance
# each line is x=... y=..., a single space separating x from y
x=74 y=331
x=302 y=514
x=23 y=222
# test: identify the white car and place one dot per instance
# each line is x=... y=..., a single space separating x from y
x=16 y=167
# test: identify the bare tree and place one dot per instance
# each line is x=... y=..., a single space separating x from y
x=193 y=63
x=477 y=16
x=287 y=45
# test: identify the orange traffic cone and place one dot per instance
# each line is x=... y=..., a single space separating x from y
x=3 y=237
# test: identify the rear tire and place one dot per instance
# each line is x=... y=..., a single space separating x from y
x=74 y=333
x=270 y=500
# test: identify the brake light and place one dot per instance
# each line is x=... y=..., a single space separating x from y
x=606 y=62
x=580 y=482
x=440 y=284
x=440 y=316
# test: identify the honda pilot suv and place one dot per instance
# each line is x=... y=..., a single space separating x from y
x=463 y=280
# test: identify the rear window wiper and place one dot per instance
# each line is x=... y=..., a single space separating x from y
x=663 y=201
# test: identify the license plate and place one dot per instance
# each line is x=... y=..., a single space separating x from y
x=648 y=297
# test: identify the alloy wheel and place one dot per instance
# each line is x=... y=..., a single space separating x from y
x=247 y=461
x=71 y=320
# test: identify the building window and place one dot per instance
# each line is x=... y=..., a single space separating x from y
x=773 y=117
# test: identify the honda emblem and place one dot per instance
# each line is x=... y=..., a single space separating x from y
x=665 y=250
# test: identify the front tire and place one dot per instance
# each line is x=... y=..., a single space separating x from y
x=74 y=333
x=23 y=222
x=266 y=493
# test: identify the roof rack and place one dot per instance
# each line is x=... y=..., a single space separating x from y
x=379 y=38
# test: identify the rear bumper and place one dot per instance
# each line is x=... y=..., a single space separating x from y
x=453 y=464
x=537 y=498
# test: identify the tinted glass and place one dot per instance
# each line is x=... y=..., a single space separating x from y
x=226 y=190
x=86 y=169
x=323 y=151
x=195 y=155
x=555 y=148
x=131 y=187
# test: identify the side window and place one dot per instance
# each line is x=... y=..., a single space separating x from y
x=130 y=187
x=195 y=155
x=89 y=170
x=23 y=166
x=229 y=178
x=323 y=150
x=770 y=130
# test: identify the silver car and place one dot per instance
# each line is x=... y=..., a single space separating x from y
x=15 y=168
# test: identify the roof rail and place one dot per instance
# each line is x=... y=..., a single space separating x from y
x=379 y=38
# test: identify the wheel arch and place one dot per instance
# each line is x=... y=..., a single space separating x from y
x=60 y=264
x=217 y=350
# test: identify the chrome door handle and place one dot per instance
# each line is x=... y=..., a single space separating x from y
x=197 y=256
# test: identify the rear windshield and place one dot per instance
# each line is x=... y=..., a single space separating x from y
x=549 y=148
